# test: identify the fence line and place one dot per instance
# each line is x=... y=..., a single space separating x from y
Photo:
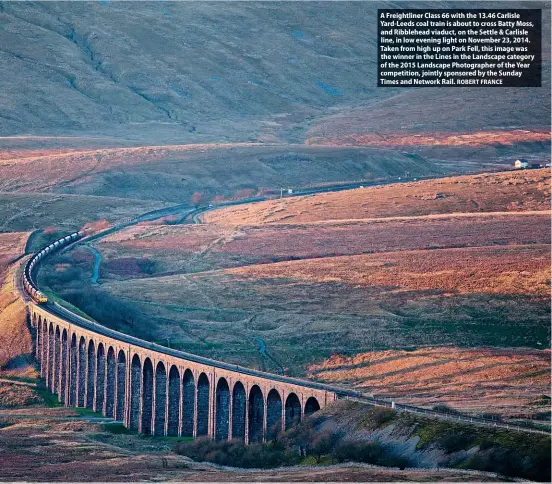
x=444 y=415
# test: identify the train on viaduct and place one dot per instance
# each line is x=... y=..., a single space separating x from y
x=157 y=390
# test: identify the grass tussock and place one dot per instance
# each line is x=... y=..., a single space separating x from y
x=14 y=396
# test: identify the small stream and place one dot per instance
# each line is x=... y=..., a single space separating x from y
x=262 y=351
x=97 y=262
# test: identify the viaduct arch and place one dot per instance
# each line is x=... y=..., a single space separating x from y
x=160 y=391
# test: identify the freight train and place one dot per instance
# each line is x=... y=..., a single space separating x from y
x=28 y=282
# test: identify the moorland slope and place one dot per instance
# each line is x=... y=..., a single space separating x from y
x=510 y=191
x=181 y=72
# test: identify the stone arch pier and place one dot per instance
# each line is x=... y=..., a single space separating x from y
x=160 y=391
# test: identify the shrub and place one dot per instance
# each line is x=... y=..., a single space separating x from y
x=323 y=443
x=455 y=441
x=445 y=409
x=368 y=452
x=382 y=415
x=235 y=453
x=302 y=444
x=502 y=461
x=198 y=198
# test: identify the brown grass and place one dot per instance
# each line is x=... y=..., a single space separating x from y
x=183 y=238
x=495 y=192
x=12 y=245
x=201 y=247
x=15 y=340
x=12 y=395
x=522 y=270
x=33 y=153
x=96 y=226
x=475 y=139
x=311 y=241
x=505 y=381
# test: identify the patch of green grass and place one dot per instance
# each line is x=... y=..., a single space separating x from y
x=166 y=439
x=448 y=435
x=326 y=460
x=308 y=461
x=87 y=412
x=50 y=400
x=52 y=297
x=118 y=429
x=452 y=436
x=117 y=434
x=492 y=331
x=173 y=439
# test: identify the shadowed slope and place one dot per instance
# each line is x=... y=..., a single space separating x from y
x=241 y=71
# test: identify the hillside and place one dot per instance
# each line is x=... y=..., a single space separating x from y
x=174 y=173
x=341 y=305
x=346 y=430
x=161 y=101
x=480 y=380
x=136 y=70
x=189 y=72
x=511 y=191
x=30 y=211
x=16 y=345
x=200 y=248
x=466 y=125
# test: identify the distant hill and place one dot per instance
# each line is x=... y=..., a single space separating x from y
x=177 y=69
x=180 y=72
x=105 y=99
x=174 y=173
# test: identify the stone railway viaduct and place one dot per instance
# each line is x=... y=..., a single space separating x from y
x=160 y=391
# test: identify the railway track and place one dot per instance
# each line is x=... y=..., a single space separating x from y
x=57 y=310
